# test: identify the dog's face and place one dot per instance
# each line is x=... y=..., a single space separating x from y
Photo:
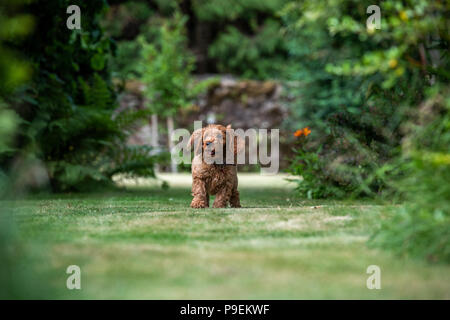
x=214 y=140
x=211 y=142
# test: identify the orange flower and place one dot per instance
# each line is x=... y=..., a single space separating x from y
x=305 y=131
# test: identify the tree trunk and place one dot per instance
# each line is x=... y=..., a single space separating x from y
x=154 y=142
x=173 y=165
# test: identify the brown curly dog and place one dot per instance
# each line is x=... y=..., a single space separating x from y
x=213 y=173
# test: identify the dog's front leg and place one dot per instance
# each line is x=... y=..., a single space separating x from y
x=201 y=198
x=234 y=200
x=222 y=198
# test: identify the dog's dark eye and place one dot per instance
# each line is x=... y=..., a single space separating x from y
x=208 y=143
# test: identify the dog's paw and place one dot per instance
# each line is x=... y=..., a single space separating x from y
x=198 y=204
x=219 y=205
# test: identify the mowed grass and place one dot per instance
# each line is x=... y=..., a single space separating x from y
x=143 y=242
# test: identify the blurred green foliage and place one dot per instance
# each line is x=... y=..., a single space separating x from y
x=366 y=94
x=18 y=276
x=14 y=69
x=355 y=87
x=213 y=10
x=166 y=68
x=13 y=28
x=67 y=109
x=248 y=43
x=242 y=39
x=259 y=56
x=314 y=182
x=422 y=226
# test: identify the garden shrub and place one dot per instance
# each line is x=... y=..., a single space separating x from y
x=378 y=103
x=242 y=39
x=258 y=56
x=14 y=71
x=421 y=228
x=355 y=87
x=66 y=109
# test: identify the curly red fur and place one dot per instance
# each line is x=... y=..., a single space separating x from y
x=213 y=178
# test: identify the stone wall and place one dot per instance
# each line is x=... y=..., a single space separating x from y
x=242 y=103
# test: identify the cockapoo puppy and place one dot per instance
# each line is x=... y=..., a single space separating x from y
x=213 y=171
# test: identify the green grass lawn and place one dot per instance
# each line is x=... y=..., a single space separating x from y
x=145 y=242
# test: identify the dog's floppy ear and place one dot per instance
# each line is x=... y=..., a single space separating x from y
x=196 y=141
x=237 y=143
